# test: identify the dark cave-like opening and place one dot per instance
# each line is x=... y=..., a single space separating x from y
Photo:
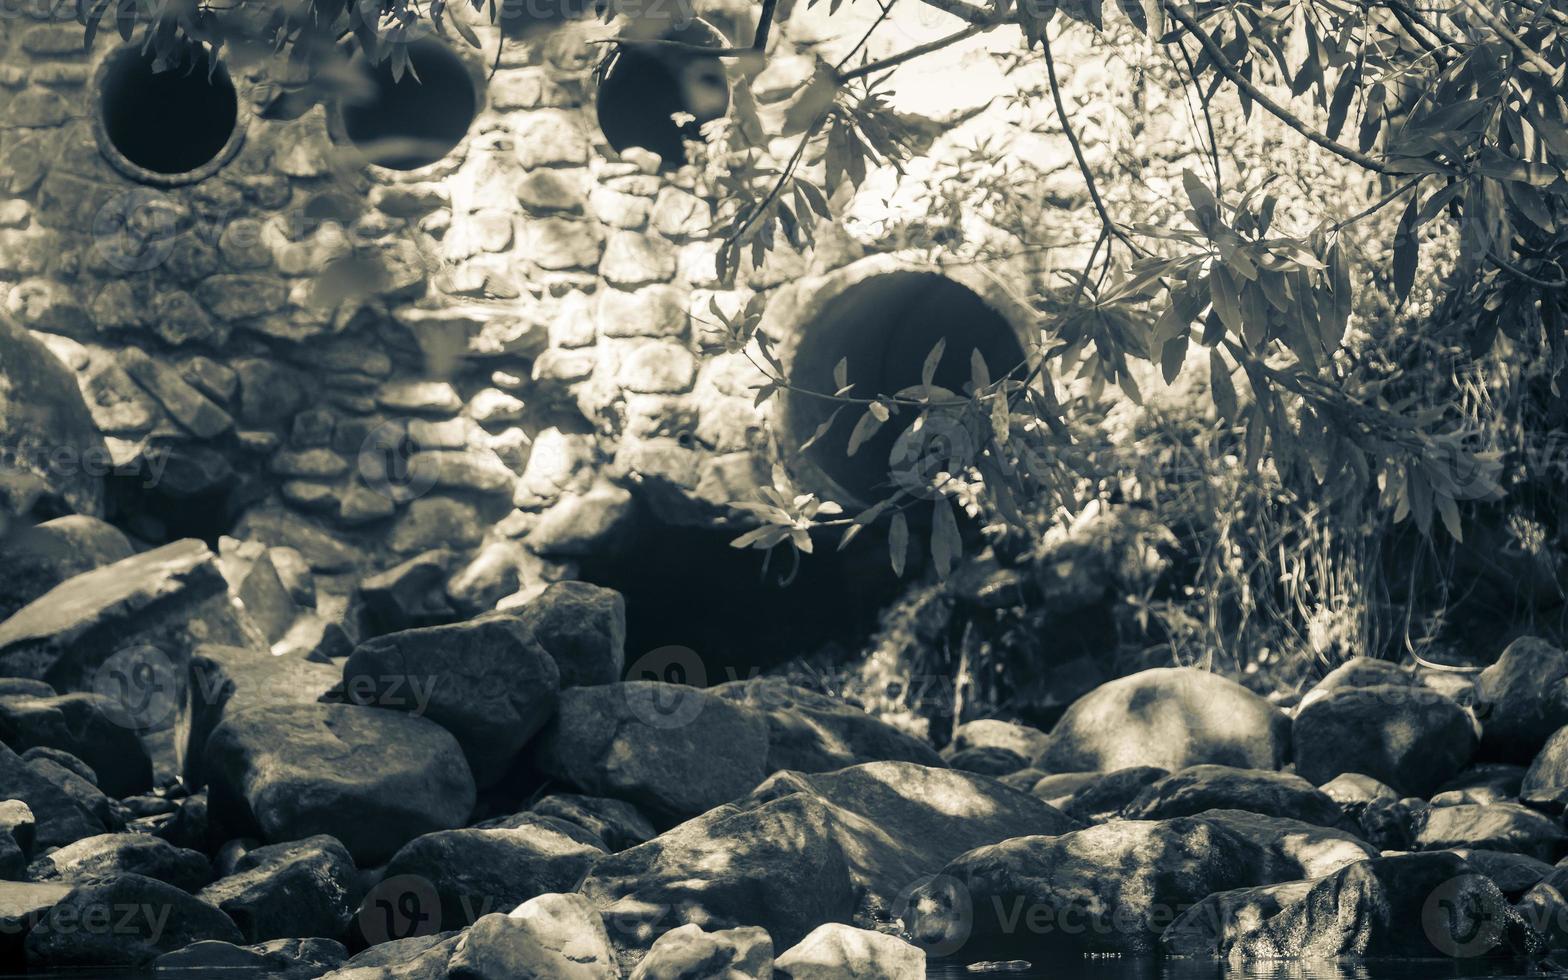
x=644 y=88
x=688 y=588
x=169 y=121
x=884 y=327
x=413 y=121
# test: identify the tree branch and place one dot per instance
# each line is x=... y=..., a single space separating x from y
x=911 y=54
x=1257 y=95
x=963 y=11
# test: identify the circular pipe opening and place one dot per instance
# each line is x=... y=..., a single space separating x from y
x=656 y=100
x=166 y=123
x=411 y=122
x=883 y=327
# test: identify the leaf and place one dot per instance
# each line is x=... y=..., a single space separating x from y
x=979 y=372
x=1220 y=384
x=1449 y=512
x=465 y=32
x=946 y=545
x=898 y=542
x=812 y=102
x=1034 y=16
x=1172 y=355
x=1203 y=200
x=864 y=429
x=1227 y=302
x=1407 y=251
x=821 y=430
x=1088 y=11
x=928 y=370
x=841 y=374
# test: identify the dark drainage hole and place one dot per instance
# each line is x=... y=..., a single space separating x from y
x=413 y=121
x=171 y=118
x=884 y=326
x=644 y=89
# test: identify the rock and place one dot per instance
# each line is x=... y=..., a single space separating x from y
x=1359 y=672
x=141 y=918
x=227 y=680
x=166 y=599
x=835 y=950
x=82 y=724
x=41 y=557
x=689 y=952
x=1354 y=787
x=1172 y=718
x=551 y=937
x=433 y=522
x=18 y=832
x=989 y=761
x=284 y=891
x=1545 y=783
x=487 y=681
x=1095 y=797
x=1023 y=741
x=1208 y=929
x=194 y=411
x=410 y=594
x=64 y=760
x=106 y=855
x=1513 y=873
x=812 y=732
x=775 y=865
x=1110 y=888
x=474 y=871
x=1408 y=737
x=1522 y=698
x=1496 y=827
x=580 y=525
x=49 y=434
x=1199 y=788
x=1293 y=848
x=583 y=627
x=421 y=957
x=490 y=577
x=1489 y=782
x=617 y=823
x=22 y=906
x=279 y=959
x=1412 y=905
x=62 y=813
x=671 y=749
x=373 y=779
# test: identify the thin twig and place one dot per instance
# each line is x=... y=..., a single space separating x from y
x=919 y=50
x=1284 y=115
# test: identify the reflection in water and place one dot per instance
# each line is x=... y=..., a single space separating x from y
x=1149 y=969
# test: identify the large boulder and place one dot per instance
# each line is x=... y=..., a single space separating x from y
x=1293 y=848
x=1411 y=738
x=1522 y=699
x=276 y=959
x=39 y=558
x=112 y=854
x=1110 y=888
x=583 y=627
x=1359 y=672
x=65 y=807
x=140 y=918
x=1488 y=782
x=487 y=681
x=834 y=950
x=615 y=822
x=777 y=865
x=1170 y=717
x=1405 y=906
x=476 y=871
x=673 y=750
x=1208 y=929
x=551 y=937
x=994 y=733
x=812 y=732
x=1199 y=788
x=287 y=891
x=83 y=724
x=1095 y=797
x=690 y=952
x=373 y=779
x=49 y=442
x=23 y=904
x=1493 y=827
x=1545 y=783
x=86 y=633
x=226 y=680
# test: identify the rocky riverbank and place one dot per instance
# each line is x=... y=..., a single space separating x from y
x=384 y=793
